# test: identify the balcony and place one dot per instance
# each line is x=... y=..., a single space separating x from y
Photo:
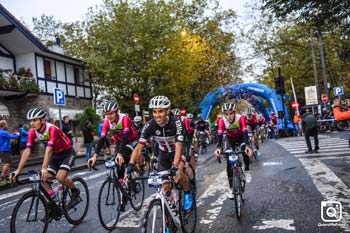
x=17 y=84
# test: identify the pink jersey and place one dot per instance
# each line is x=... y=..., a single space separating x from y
x=51 y=136
x=252 y=121
x=233 y=130
x=274 y=119
x=261 y=121
x=123 y=125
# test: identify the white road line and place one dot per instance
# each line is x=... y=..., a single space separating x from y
x=281 y=223
x=330 y=186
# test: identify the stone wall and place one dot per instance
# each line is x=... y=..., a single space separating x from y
x=19 y=106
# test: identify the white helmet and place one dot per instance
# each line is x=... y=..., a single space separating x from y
x=176 y=112
x=110 y=106
x=249 y=111
x=36 y=113
x=137 y=119
x=189 y=115
x=159 y=102
x=228 y=107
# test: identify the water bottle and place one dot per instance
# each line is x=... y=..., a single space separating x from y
x=174 y=198
x=52 y=194
x=60 y=192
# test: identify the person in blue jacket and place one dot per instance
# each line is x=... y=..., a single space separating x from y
x=23 y=137
x=5 y=148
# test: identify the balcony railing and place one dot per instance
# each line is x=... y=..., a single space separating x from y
x=17 y=85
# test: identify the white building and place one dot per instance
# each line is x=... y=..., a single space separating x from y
x=19 y=48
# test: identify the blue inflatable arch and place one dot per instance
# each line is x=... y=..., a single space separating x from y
x=251 y=92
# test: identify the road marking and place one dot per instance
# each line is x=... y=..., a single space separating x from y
x=272 y=163
x=330 y=186
x=281 y=223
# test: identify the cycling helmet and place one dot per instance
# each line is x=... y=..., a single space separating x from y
x=249 y=111
x=137 y=119
x=159 y=102
x=272 y=113
x=176 y=112
x=199 y=116
x=189 y=115
x=110 y=106
x=228 y=107
x=36 y=113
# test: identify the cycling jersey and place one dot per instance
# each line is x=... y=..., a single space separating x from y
x=201 y=125
x=233 y=130
x=165 y=136
x=252 y=121
x=50 y=136
x=261 y=121
x=274 y=119
x=123 y=132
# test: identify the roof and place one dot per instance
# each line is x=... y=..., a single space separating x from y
x=30 y=36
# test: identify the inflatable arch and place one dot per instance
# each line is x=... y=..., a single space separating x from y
x=251 y=92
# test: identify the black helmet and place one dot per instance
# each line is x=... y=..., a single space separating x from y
x=36 y=113
x=110 y=106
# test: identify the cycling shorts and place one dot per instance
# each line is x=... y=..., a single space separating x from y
x=63 y=160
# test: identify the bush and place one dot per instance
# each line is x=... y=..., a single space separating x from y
x=89 y=114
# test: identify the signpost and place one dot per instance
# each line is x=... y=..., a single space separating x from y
x=311 y=95
x=295 y=104
x=137 y=103
x=59 y=99
x=338 y=91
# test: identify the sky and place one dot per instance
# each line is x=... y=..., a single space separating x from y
x=72 y=10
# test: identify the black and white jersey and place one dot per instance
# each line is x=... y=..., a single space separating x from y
x=166 y=136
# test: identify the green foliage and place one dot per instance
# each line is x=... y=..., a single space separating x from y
x=174 y=48
x=13 y=83
x=89 y=114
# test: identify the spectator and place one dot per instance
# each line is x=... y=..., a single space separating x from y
x=310 y=128
x=88 y=139
x=67 y=128
x=297 y=121
x=5 y=148
x=23 y=137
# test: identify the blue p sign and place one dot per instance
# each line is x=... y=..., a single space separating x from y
x=58 y=96
x=338 y=91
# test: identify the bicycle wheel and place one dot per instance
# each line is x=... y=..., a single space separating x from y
x=237 y=192
x=30 y=212
x=188 y=218
x=109 y=205
x=76 y=210
x=153 y=221
x=136 y=191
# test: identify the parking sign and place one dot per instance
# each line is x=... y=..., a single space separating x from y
x=338 y=91
x=58 y=96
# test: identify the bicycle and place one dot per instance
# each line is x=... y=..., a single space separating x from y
x=202 y=140
x=165 y=213
x=39 y=208
x=234 y=158
x=251 y=142
x=114 y=194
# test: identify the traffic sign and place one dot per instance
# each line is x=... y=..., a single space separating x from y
x=324 y=98
x=338 y=91
x=295 y=104
x=136 y=98
x=58 y=97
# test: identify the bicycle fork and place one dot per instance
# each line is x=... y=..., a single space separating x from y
x=173 y=217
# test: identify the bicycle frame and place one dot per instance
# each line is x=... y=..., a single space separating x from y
x=165 y=203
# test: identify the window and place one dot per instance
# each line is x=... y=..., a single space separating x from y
x=47 y=69
x=78 y=76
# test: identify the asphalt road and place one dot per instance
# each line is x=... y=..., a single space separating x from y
x=285 y=194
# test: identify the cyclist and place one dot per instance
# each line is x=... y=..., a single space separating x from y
x=261 y=126
x=59 y=154
x=273 y=123
x=137 y=123
x=123 y=131
x=201 y=126
x=189 y=125
x=250 y=120
x=169 y=133
x=236 y=133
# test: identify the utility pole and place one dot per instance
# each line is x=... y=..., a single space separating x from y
x=323 y=63
x=313 y=54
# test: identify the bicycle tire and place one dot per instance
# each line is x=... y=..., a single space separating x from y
x=136 y=186
x=156 y=205
x=84 y=195
x=192 y=178
x=14 y=225
x=237 y=192
x=115 y=199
